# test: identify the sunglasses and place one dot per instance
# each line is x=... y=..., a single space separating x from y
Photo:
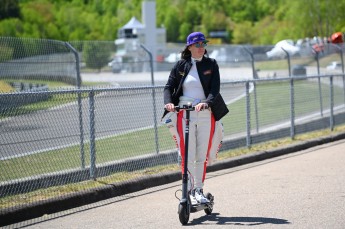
x=198 y=45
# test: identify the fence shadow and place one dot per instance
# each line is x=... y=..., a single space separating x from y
x=240 y=221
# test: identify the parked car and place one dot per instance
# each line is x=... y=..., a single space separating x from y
x=334 y=65
x=278 y=52
x=172 y=57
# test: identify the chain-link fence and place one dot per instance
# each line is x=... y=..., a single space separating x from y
x=57 y=141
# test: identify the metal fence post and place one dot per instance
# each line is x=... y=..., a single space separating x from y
x=256 y=108
x=153 y=98
x=292 y=98
x=292 y=108
x=319 y=79
x=342 y=69
x=331 y=98
x=248 y=114
x=76 y=55
x=255 y=76
x=92 y=135
x=80 y=110
x=288 y=59
x=342 y=66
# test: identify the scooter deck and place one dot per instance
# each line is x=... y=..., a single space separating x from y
x=199 y=207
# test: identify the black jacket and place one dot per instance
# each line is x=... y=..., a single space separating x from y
x=208 y=71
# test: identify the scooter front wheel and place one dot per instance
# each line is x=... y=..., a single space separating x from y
x=183 y=213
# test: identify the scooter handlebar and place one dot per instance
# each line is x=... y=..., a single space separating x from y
x=188 y=107
x=184 y=107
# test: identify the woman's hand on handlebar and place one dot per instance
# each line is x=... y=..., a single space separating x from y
x=170 y=107
x=201 y=106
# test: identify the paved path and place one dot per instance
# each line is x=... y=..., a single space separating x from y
x=301 y=190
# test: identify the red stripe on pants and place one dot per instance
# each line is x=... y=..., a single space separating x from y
x=181 y=134
x=213 y=124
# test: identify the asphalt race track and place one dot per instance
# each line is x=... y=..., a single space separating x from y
x=59 y=127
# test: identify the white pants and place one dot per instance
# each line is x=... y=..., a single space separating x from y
x=201 y=132
x=205 y=140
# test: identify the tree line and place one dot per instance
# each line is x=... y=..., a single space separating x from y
x=257 y=22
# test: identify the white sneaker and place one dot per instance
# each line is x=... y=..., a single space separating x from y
x=199 y=195
x=192 y=198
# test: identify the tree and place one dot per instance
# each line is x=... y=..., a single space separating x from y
x=170 y=22
x=9 y=9
x=11 y=27
x=96 y=54
x=266 y=21
x=244 y=33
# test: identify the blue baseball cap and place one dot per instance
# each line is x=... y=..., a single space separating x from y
x=195 y=37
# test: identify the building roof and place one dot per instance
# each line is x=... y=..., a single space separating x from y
x=133 y=24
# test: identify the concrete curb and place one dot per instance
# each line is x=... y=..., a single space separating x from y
x=30 y=211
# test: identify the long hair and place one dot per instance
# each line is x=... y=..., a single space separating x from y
x=186 y=54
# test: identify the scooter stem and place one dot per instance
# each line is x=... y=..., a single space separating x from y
x=185 y=167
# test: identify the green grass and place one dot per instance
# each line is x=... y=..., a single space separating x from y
x=109 y=149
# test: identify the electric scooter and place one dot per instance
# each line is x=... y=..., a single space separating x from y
x=185 y=206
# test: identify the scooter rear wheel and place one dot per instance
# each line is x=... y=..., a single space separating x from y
x=183 y=213
x=209 y=209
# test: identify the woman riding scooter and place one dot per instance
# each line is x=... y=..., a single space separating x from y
x=195 y=80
